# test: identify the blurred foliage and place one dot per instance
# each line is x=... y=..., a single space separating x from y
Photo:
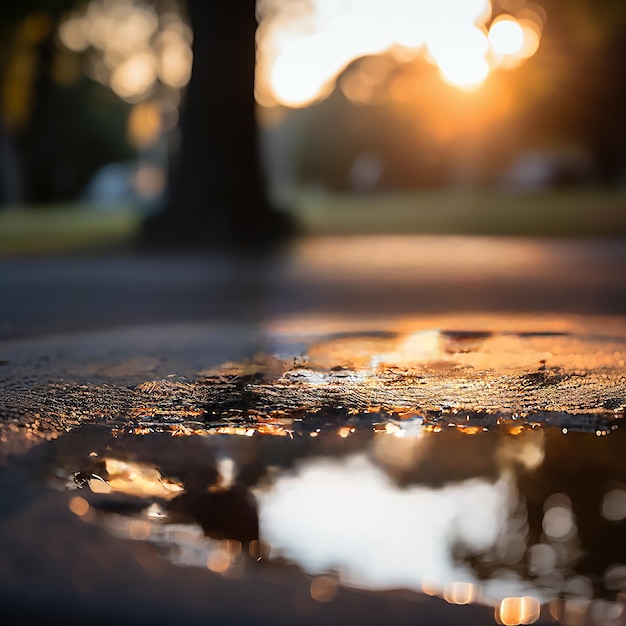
x=567 y=102
x=64 y=156
x=57 y=127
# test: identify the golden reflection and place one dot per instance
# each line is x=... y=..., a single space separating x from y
x=513 y=611
x=418 y=513
x=460 y=593
x=79 y=506
x=324 y=588
x=134 y=479
x=219 y=560
x=430 y=587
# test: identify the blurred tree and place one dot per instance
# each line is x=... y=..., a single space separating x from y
x=218 y=193
x=53 y=133
x=582 y=95
x=26 y=32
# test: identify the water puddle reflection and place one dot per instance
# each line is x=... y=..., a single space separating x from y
x=433 y=475
x=530 y=524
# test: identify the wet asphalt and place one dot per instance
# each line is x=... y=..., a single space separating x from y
x=131 y=316
x=375 y=277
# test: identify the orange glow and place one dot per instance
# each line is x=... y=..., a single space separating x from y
x=302 y=50
x=430 y=587
x=304 y=71
x=323 y=588
x=175 y=60
x=506 y=36
x=219 y=561
x=139 y=530
x=144 y=124
x=136 y=76
x=137 y=479
x=459 y=52
x=345 y=431
x=514 y=40
x=532 y=35
x=514 y=611
x=460 y=593
x=79 y=506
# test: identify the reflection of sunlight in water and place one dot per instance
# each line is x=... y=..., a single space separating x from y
x=513 y=542
x=349 y=516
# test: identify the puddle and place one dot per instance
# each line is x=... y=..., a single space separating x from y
x=361 y=477
x=529 y=525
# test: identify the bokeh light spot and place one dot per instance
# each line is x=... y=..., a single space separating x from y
x=135 y=76
x=514 y=611
x=324 y=588
x=79 y=506
x=73 y=34
x=614 y=505
x=506 y=36
x=219 y=561
x=558 y=522
x=303 y=48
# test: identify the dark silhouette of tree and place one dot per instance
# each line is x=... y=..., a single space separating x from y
x=52 y=137
x=218 y=193
x=585 y=94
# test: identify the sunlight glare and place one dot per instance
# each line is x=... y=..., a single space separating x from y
x=532 y=35
x=298 y=77
x=460 y=55
x=506 y=36
x=304 y=48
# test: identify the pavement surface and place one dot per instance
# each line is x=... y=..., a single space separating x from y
x=359 y=277
x=127 y=318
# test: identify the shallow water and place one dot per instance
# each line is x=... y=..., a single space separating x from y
x=529 y=525
x=232 y=499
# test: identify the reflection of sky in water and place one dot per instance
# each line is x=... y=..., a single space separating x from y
x=349 y=516
x=510 y=521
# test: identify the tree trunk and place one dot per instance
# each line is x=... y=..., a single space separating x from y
x=218 y=191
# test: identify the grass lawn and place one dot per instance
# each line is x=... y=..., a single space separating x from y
x=580 y=213
x=28 y=230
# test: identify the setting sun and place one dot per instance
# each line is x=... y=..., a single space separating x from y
x=506 y=36
x=303 y=49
